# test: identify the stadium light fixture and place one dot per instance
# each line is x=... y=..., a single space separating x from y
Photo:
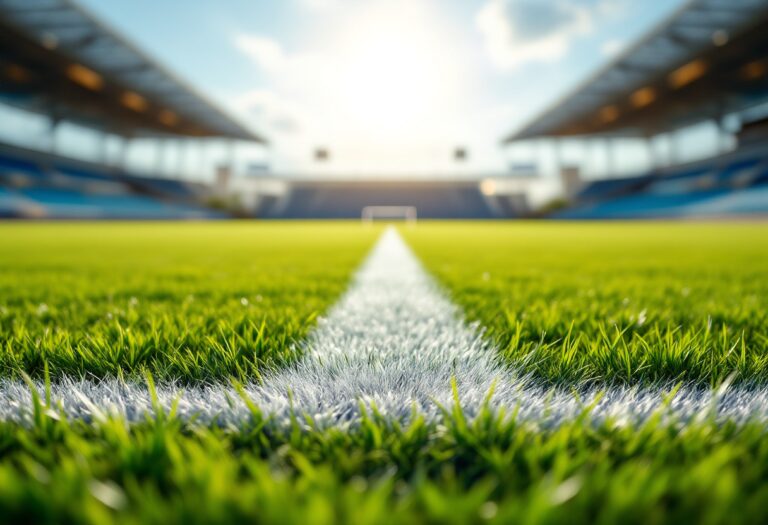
x=688 y=73
x=720 y=37
x=322 y=155
x=754 y=70
x=134 y=101
x=49 y=41
x=488 y=187
x=168 y=117
x=17 y=73
x=608 y=114
x=85 y=77
x=642 y=97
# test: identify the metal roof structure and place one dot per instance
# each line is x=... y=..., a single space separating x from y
x=59 y=43
x=707 y=58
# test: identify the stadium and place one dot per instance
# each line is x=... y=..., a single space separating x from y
x=210 y=314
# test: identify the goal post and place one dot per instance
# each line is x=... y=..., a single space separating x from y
x=373 y=213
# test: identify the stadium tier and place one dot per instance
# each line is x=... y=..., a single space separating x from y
x=59 y=61
x=34 y=185
x=56 y=54
x=731 y=185
x=707 y=60
x=435 y=199
x=706 y=64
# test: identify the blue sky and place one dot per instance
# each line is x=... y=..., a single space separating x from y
x=387 y=85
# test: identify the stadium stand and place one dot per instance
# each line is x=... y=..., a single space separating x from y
x=57 y=55
x=59 y=61
x=733 y=184
x=339 y=199
x=34 y=185
x=709 y=60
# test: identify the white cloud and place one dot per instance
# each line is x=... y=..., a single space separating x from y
x=297 y=82
x=613 y=47
x=290 y=71
x=378 y=78
x=319 y=5
x=521 y=31
x=268 y=54
x=270 y=109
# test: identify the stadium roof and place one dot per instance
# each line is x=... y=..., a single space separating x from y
x=707 y=59
x=56 y=55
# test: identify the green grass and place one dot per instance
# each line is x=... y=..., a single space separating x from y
x=627 y=302
x=486 y=471
x=193 y=302
x=562 y=300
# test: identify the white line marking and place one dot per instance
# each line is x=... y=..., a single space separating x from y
x=394 y=340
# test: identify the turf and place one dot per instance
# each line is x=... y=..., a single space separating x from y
x=490 y=470
x=551 y=295
x=618 y=302
x=190 y=302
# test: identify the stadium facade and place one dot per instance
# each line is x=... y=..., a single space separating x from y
x=347 y=198
x=707 y=63
x=58 y=61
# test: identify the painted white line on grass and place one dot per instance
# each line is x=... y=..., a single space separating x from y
x=393 y=340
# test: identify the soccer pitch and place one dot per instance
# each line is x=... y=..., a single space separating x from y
x=623 y=302
x=291 y=372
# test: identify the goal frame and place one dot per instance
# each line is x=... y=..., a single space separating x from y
x=371 y=213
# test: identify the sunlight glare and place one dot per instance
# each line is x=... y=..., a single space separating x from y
x=396 y=71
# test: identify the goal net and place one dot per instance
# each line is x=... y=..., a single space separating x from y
x=373 y=213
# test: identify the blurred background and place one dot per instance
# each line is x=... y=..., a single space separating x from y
x=583 y=109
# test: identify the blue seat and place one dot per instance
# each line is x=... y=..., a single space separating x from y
x=761 y=178
x=11 y=165
x=82 y=173
x=731 y=174
x=742 y=202
x=644 y=205
x=67 y=203
x=76 y=192
x=601 y=189
x=162 y=187
x=724 y=186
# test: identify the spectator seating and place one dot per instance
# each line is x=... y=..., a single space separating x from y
x=49 y=188
x=731 y=185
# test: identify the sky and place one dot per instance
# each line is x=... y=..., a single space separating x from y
x=387 y=86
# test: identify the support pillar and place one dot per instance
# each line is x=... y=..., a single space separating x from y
x=231 y=152
x=102 y=153
x=53 y=129
x=541 y=151
x=610 y=167
x=556 y=157
x=723 y=136
x=122 y=154
x=185 y=155
x=203 y=151
x=674 y=148
x=650 y=154
x=179 y=169
x=158 y=157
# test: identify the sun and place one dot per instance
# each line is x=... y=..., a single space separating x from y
x=388 y=82
x=395 y=70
